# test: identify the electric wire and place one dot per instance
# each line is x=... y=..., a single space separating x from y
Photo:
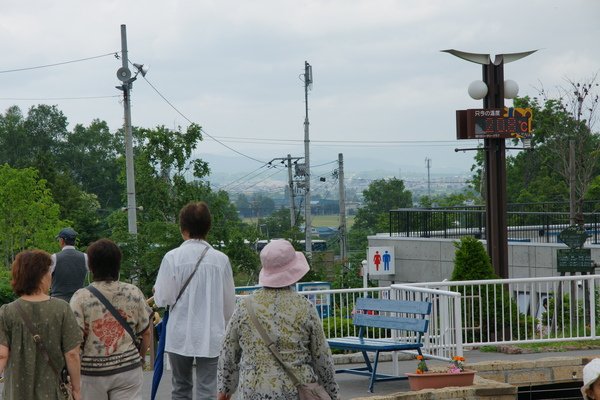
x=114 y=53
x=58 y=98
x=239 y=179
x=256 y=183
x=247 y=181
x=201 y=129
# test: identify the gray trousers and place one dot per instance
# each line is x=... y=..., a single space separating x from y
x=182 y=380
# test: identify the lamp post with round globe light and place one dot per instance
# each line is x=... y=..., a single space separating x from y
x=492 y=89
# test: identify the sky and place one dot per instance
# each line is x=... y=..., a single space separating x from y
x=384 y=95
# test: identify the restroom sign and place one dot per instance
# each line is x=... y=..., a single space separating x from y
x=381 y=261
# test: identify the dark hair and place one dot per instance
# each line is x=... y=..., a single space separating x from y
x=69 y=241
x=28 y=270
x=104 y=260
x=195 y=219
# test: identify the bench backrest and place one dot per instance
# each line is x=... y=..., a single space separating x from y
x=411 y=314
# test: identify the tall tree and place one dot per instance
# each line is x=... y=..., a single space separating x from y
x=92 y=155
x=29 y=217
x=381 y=196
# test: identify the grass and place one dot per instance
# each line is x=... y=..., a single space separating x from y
x=567 y=345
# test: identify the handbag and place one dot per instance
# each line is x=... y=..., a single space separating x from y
x=63 y=376
x=306 y=391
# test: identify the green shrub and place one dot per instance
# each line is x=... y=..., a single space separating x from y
x=6 y=293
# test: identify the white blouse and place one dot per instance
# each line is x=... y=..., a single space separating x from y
x=197 y=323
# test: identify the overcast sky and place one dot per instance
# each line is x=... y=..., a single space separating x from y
x=233 y=67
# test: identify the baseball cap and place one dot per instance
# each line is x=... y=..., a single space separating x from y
x=67 y=233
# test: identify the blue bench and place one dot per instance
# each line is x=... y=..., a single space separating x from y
x=405 y=316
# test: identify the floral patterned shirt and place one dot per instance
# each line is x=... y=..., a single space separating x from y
x=247 y=365
x=107 y=347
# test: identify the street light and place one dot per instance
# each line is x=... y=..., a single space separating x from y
x=493 y=89
x=124 y=75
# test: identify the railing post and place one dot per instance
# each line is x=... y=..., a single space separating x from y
x=592 y=291
x=458 y=325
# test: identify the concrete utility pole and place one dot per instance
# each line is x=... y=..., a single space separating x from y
x=291 y=190
x=126 y=87
x=342 y=188
x=428 y=163
x=572 y=200
x=308 y=79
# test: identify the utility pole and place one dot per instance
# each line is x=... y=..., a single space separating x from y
x=126 y=87
x=342 y=188
x=572 y=219
x=291 y=190
x=308 y=79
x=428 y=162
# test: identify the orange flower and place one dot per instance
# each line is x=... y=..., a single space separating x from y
x=419 y=372
x=419 y=357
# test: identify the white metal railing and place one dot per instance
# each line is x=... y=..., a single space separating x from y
x=467 y=314
x=527 y=310
x=443 y=339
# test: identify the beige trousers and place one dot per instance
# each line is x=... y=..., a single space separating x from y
x=122 y=386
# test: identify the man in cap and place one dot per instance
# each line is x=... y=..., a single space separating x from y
x=69 y=266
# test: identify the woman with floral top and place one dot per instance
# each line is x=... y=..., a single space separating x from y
x=111 y=361
x=246 y=365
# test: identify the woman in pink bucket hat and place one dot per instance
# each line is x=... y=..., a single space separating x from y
x=290 y=321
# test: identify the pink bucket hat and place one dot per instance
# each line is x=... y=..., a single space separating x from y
x=281 y=264
x=591 y=373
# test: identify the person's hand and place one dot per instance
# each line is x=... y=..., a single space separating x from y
x=76 y=395
x=223 y=396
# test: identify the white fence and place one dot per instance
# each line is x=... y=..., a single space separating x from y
x=478 y=313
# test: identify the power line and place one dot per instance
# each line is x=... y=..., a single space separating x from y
x=57 y=98
x=239 y=179
x=114 y=53
x=256 y=183
x=201 y=129
x=233 y=138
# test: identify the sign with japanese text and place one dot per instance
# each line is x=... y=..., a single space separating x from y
x=574 y=260
x=489 y=123
x=574 y=236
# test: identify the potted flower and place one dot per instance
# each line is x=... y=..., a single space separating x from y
x=454 y=375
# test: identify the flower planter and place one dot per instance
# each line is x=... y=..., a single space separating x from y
x=437 y=380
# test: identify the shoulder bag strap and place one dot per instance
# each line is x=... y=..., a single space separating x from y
x=268 y=341
x=187 y=282
x=37 y=339
x=114 y=312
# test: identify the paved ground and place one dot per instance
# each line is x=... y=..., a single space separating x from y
x=353 y=386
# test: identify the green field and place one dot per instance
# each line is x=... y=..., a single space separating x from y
x=330 y=220
x=318 y=220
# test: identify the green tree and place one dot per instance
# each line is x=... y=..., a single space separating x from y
x=29 y=217
x=381 y=196
x=471 y=261
x=543 y=175
x=166 y=180
x=92 y=155
x=278 y=225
